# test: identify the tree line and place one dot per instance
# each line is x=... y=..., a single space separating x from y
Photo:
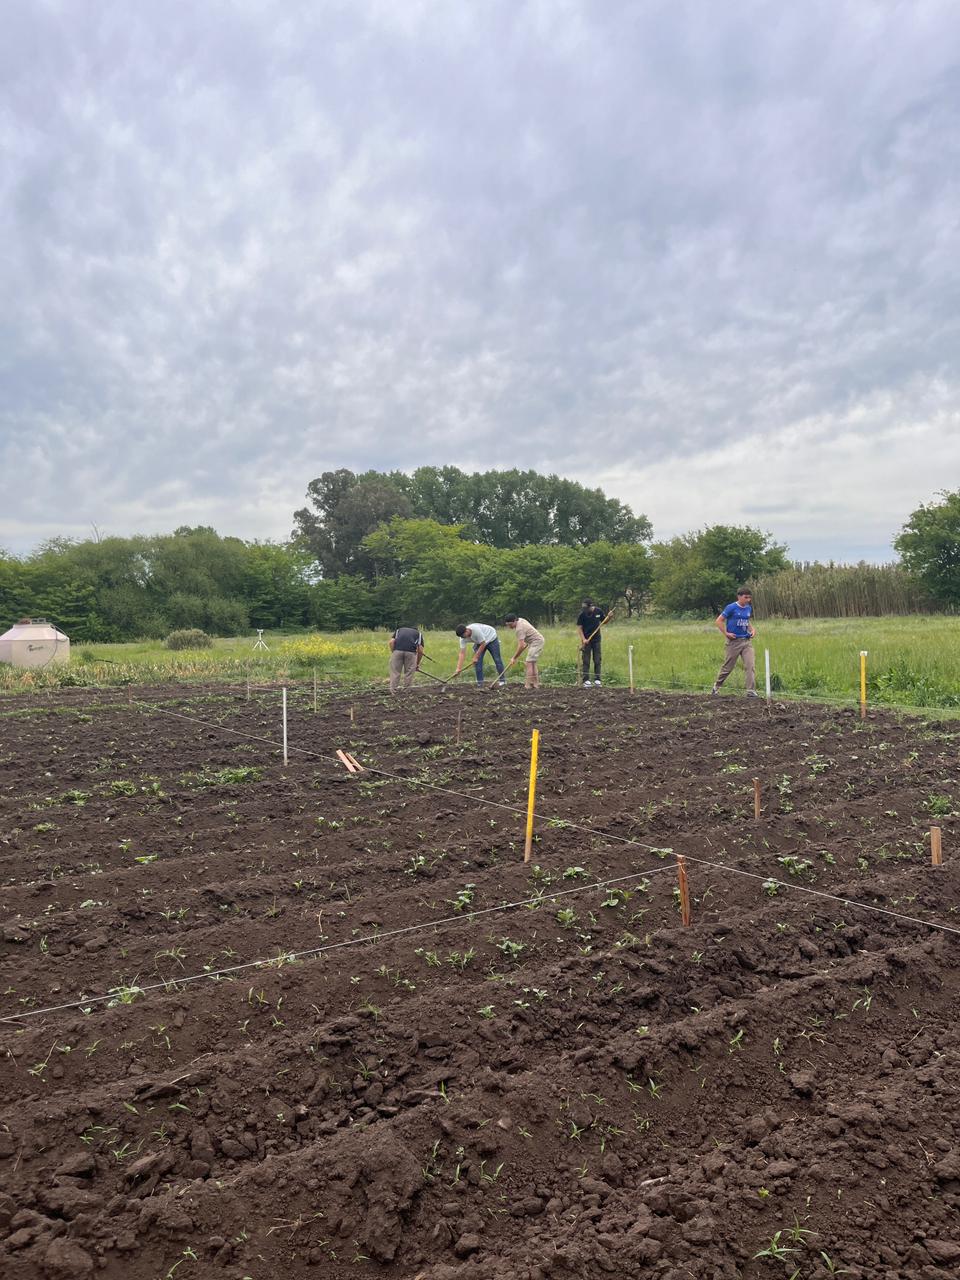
x=374 y=549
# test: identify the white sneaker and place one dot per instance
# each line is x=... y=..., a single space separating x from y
x=586 y=684
x=597 y=683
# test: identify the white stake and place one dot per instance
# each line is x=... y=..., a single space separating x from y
x=630 y=664
x=314 y=688
x=766 y=659
x=284 y=726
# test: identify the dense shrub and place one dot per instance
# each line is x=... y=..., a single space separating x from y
x=188 y=638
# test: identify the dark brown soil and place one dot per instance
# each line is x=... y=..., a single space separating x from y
x=576 y=1087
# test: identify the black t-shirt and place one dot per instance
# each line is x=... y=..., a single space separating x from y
x=589 y=620
x=406 y=640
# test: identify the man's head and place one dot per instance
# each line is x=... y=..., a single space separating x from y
x=587 y=603
x=463 y=631
x=744 y=595
x=511 y=621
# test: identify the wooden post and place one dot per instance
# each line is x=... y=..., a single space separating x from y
x=684 y=889
x=630 y=664
x=936 y=847
x=756 y=799
x=531 y=794
x=284 y=726
x=314 y=690
x=459 y=714
x=248 y=688
x=863 y=684
x=351 y=713
x=766 y=660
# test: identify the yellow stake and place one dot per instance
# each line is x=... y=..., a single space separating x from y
x=863 y=684
x=534 y=751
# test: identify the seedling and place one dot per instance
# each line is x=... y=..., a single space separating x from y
x=834 y=1268
x=464 y=898
x=511 y=948
x=776 y=1251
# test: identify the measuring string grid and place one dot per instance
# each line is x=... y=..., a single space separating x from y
x=443 y=922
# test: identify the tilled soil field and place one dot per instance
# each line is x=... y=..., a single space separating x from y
x=558 y=1079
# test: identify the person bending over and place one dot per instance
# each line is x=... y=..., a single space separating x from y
x=406 y=654
x=484 y=640
x=530 y=641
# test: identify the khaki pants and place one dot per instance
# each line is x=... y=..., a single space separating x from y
x=404 y=664
x=735 y=649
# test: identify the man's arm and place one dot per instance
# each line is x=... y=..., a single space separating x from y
x=391 y=644
x=721 y=625
x=419 y=655
x=521 y=645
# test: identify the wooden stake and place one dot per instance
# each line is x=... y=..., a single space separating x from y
x=347 y=761
x=936 y=847
x=351 y=713
x=630 y=664
x=756 y=799
x=248 y=688
x=531 y=794
x=285 y=761
x=766 y=660
x=459 y=714
x=863 y=684
x=684 y=889
x=314 y=690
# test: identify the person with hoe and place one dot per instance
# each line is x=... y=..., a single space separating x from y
x=406 y=654
x=484 y=641
x=589 y=621
x=734 y=622
x=529 y=639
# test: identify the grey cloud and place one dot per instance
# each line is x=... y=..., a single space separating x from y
x=244 y=243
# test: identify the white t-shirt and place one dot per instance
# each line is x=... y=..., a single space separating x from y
x=480 y=633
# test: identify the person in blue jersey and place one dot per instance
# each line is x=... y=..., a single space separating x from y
x=735 y=623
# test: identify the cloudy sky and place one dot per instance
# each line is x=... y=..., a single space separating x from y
x=705 y=255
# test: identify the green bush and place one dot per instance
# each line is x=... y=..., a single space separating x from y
x=189 y=638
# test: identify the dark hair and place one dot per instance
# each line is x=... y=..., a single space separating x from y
x=461 y=630
x=511 y=617
x=744 y=591
x=587 y=600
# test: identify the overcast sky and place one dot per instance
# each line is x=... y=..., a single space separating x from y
x=704 y=255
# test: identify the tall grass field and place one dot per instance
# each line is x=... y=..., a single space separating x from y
x=912 y=661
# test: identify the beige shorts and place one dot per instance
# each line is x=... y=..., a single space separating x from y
x=533 y=651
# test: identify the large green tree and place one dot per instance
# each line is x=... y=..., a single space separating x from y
x=701 y=571
x=929 y=546
x=496 y=508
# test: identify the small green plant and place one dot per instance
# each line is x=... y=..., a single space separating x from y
x=464 y=897
x=775 y=1251
x=511 y=948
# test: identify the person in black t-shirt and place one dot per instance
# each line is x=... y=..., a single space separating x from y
x=406 y=652
x=588 y=628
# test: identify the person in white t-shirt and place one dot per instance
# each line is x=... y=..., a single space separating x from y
x=484 y=640
x=530 y=642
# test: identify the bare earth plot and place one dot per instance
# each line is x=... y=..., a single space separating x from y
x=574 y=1087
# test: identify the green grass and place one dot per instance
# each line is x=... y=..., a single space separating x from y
x=913 y=661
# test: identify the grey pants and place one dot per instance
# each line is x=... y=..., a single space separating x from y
x=404 y=664
x=738 y=649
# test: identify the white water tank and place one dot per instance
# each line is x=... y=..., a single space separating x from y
x=34 y=642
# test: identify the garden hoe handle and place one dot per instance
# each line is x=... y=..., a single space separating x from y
x=502 y=675
x=597 y=632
